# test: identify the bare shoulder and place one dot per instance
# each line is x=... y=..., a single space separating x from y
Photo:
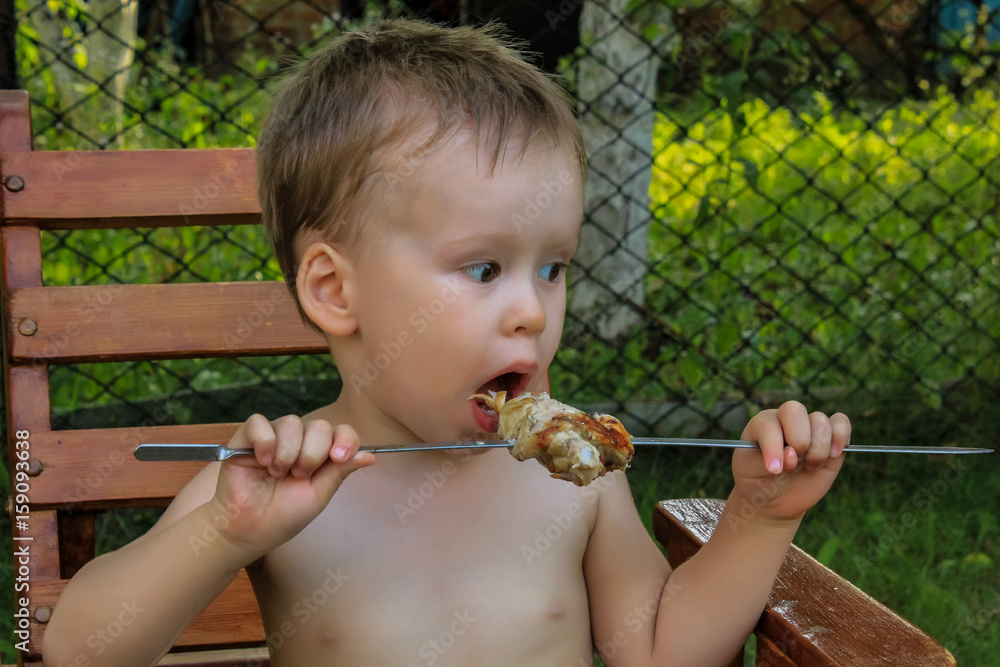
x=625 y=572
x=617 y=520
x=618 y=529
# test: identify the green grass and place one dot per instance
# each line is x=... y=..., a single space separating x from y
x=918 y=533
x=907 y=200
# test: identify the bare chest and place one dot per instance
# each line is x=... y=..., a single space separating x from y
x=424 y=574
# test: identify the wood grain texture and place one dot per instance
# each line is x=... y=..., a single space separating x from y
x=22 y=257
x=15 y=121
x=231 y=619
x=769 y=654
x=142 y=188
x=814 y=617
x=126 y=322
x=77 y=540
x=247 y=657
x=83 y=471
x=28 y=398
x=43 y=546
x=96 y=469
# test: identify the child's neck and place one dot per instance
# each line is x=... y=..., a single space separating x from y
x=373 y=429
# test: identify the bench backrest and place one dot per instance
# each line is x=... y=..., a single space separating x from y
x=75 y=473
x=72 y=474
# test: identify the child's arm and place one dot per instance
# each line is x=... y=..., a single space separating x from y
x=702 y=613
x=227 y=517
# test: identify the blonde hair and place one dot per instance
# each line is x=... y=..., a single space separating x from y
x=337 y=114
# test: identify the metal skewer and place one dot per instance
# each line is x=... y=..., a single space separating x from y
x=206 y=452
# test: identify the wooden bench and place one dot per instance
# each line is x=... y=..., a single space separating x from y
x=814 y=617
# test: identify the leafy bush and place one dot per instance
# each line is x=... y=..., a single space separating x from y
x=812 y=248
x=791 y=248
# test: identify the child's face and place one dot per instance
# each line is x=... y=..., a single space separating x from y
x=463 y=289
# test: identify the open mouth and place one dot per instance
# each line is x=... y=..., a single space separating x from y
x=512 y=382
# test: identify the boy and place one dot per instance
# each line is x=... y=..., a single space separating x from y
x=397 y=173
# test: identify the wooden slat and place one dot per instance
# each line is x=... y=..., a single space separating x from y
x=15 y=121
x=123 y=322
x=143 y=188
x=42 y=543
x=22 y=257
x=28 y=399
x=841 y=621
x=95 y=469
x=239 y=657
x=77 y=541
x=770 y=655
x=232 y=618
x=814 y=616
x=235 y=657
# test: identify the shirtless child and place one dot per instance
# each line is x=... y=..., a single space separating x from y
x=395 y=171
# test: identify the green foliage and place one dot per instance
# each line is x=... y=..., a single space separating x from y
x=812 y=248
x=165 y=106
x=795 y=246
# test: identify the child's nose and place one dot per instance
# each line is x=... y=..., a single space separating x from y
x=525 y=312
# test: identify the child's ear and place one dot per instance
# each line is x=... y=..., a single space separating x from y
x=325 y=285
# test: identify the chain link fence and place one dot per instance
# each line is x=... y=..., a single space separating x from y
x=785 y=198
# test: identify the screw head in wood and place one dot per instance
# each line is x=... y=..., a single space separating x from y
x=43 y=613
x=14 y=183
x=27 y=327
x=35 y=467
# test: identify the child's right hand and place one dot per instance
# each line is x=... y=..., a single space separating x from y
x=297 y=466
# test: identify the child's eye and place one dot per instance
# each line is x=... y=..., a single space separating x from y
x=484 y=273
x=552 y=271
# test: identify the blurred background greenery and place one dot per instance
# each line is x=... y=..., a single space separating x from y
x=787 y=199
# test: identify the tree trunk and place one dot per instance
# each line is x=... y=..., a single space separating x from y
x=109 y=47
x=8 y=52
x=113 y=50
x=616 y=89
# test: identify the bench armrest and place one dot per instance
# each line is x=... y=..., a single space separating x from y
x=814 y=617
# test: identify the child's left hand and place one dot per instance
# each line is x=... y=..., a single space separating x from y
x=800 y=455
